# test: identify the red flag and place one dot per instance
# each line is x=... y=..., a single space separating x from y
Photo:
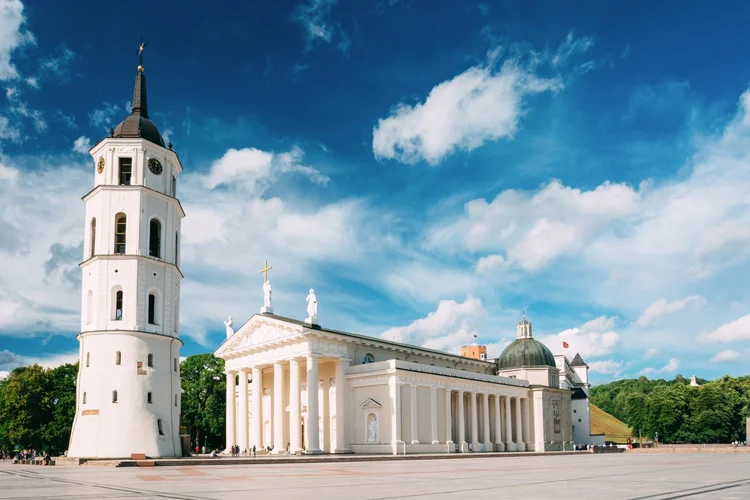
x=565 y=344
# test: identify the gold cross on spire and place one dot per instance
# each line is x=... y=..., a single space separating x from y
x=265 y=270
x=140 y=55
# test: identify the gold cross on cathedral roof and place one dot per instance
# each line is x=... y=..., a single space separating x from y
x=265 y=270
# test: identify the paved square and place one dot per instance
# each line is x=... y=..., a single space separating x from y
x=626 y=476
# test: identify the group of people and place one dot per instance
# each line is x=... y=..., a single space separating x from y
x=28 y=455
x=236 y=451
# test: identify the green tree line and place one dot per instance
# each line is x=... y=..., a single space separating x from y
x=37 y=405
x=677 y=412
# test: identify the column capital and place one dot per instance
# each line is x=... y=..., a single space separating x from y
x=341 y=361
x=231 y=372
x=295 y=361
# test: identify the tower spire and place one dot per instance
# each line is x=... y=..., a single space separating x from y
x=140 y=104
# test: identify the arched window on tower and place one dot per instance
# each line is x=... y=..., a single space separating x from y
x=114 y=396
x=88 y=359
x=84 y=398
x=149 y=398
x=154 y=239
x=118 y=305
x=92 y=250
x=121 y=226
x=151 y=309
x=118 y=358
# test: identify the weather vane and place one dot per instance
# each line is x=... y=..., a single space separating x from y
x=140 y=54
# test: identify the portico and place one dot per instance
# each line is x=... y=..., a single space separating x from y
x=294 y=384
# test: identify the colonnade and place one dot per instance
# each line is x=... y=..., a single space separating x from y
x=240 y=422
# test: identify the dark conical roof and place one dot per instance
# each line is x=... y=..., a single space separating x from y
x=137 y=123
x=578 y=361
x=526 y=353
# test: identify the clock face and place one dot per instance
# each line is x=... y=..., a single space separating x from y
x=100 y=165
x=155 y=166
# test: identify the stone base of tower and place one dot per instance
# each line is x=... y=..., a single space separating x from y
x=128 y=396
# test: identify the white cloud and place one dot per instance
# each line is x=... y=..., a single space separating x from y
x=12 y=36
x=315 y=17
x=4 y=374
x=10 y=360
x=671 y=366
x=725 y=356
x=82 y=145
x=489 y=264
x=738 y=329
x=8 y=131
x=650 y=353
x=661 y=307
x=593 y=338
x=452 y=325
x=609 y=366
x=57 y=65
x=32 y=81
x=571 y=46
x=254 y=169
x=105 y=116
x=479 y=105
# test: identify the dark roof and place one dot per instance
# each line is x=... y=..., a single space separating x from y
x=578 y=393
x=578 y=361
x=526 y=353
x=137 y=123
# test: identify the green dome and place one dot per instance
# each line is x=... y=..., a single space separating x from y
x=526 y=353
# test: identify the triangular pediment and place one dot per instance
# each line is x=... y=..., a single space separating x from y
x=259 y=329
x=370 y=403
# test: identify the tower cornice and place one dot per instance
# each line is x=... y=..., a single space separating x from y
x=129 y=332
x=129 y=256
x=134 y=187
x=144 y=144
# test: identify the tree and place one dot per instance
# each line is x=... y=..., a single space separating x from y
x=61 y=400
x=204 y=399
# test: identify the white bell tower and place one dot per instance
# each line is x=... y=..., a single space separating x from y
x=128 y=389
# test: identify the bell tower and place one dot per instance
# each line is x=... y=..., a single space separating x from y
x=128 y=388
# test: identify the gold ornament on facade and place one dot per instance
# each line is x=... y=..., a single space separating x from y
x=100 y=165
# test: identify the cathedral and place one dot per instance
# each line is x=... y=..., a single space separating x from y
x=292 y=385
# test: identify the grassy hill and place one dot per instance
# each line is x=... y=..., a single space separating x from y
x=604 y=423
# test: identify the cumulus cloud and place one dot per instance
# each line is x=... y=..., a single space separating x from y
x=489 y=264
x=650 y=353
x=738 y=329
x=449 y=327
x=609 y=366
x=661 y=307
x=12 y=36
x=10 y=360
x=725 y=356
x=594 y=338
x=82 y=145
x=479 y=105
x=672 y=365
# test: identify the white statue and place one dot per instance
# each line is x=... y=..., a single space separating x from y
x=312 y=307
x=228 y=324
x=372 y=429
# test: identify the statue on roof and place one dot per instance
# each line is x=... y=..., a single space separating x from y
x=312 y=308
x=228 y=325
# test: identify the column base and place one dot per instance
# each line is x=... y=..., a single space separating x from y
x=464 y=447
x=521 y=446
x=511 y=447
x=499 y=446
x=435 y=442
x=310 y=451
x=488 y=446
x=415 y=442
x=451 y=446
x=475 y=446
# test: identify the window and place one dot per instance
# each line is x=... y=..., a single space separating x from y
x=126 y=170
x=118 y=358
x=369 y=358
x=151 y=309
x=92 y=250
x=154 y=239
x=118 y=305
x=89 y=306
x=574 y=411
x=174 y=186
x=88 y=359
x=114 y=396
x=158 y=425
x=176 y=248
x=149 y=398
x=176 y=400
x=579 y=419
x=151 y=360
x=121 y=226
x=84 y=398
x=175 y=365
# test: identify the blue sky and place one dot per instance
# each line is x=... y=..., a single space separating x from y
x=432 y=169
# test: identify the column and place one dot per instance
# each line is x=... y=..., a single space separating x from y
x=230 y=411
x=525 y=420
x=278 y=408
x=414 y=426
x=539 y=434
x=519 y=427
x=499 y=445
x=461 y=424
x=448 y=426
x=242 y=424
x=474 y=423
x=509 y=444
x=342 y=444
x=486 y=421
x=295 y=429
x=395 y=394
x=313 y=427
x=256 y=436
x=433 y=401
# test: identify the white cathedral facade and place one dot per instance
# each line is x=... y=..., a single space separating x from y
x=128 y=387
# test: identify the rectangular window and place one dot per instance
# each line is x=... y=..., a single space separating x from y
x=149 y=398
x=176 y=400
x=126 y=170
x=158 y=425
x=118 y=305
x=174 y=186
x=151 y=360
x=151 y=309
x=175 y=365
